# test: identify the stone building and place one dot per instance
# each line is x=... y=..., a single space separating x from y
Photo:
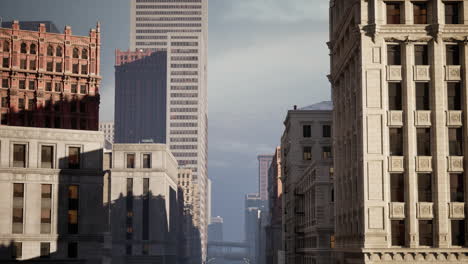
x=49 y=79
x=264 y=162
x=51 y=188
x=108 y=129
x=305 y=161
x=398 y=72
x=143 y=204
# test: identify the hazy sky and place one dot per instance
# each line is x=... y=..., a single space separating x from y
x=264 y=57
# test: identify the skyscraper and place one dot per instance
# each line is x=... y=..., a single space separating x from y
x=264 y=162
x=398 y=72
x=181 y=28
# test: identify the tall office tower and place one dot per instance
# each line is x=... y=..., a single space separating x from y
x=264 y=162
x=215 y=230
x=140 y=96
x=49 y=79
x=399 y=72
x=305 y=160
x=253 y=207
x=181 y=28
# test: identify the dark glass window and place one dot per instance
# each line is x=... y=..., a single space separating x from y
x=128 y=250
x=73 y=206
x=393 y=55
x=22 y=84
x=398 y=232
x=452 y=54
x=17 y=250
x=82 y=89
x=455 y=141
x=18 y=200
x=452 y=12
x=397 y=188
x=24 y=48
x=423 y=141
x=58 y=67
x=6 y=46
x=50 y=51
x=327 y=152
x=19 y=155
x=393 y=13
x=21 y=104
x=146 y=198
x=84 y=54
x=146 y=161
x=73 y=157
x=23 y=63
x=454 y=96
x=76 y=53
x=5 y=83
x=50 y=66
x=458 y=233
x=326 y=131
x=129 y=202
x=74 y=88
x=421 y=55
x=130 y=161
x=75 y=68
x=394 y=96
x=45 y=249
x=6 y=63
x=32 y=85
x=422 y=96
x=84 y=69
x=72 y=250
x=457 y=188
x=58 y=51
x=32 y=65
x=425 y=187
x=48 y=87
x=307 y=153
x=396 y=141
x=5 y=102
x=420 y=12
x=306 y=131
x=31 y=104
x=32 y=49
x=425 y=233
x=47 y=154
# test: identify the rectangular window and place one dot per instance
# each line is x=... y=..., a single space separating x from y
x=6 y=63
x=5 y=102
x=394 y=96
x=393 y=55
x=327 y=152
x=48 y=86
x=130 y=161
x=454 y=96
x=146 y=161
x=396 y=141
x=75 y=68
x=398 y=232
x=82 y=89
x=45 y=250
x=5 y=83
x=58 y=67
x=393 y=13
x=457 y=188
x=17 y=250
x=58 y=87
x=32 y=65
x=422 y=96
x=452 y=53
x=47 y=154
x=458 y=233
x=425 y=187
x=421 y=55
x=306 y=131
x=23 y=64
x=19 y=155
x=397 y=188
x=326 y=131
x=84 y=69
x=73 y=206
x=455 y=141
x=22 y=84
x=46 y=211
x=72 y=250
x=21 y=104
x=50 y=66
x=425 y=233
x=129 y=202
x=307 y=153
x=18 y=205
x=452 y=12
x=73 y=157
x=146 y=198
x=74 y=88
x=31 y=104
x=423 y=141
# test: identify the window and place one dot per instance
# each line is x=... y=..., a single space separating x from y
x=17 y=250
x=21 y=104
x=74 y=88
x=50 y=66
x=75 y=68
x=393 y=13
x=32 y=49
x=76 y=53
x=455 y=141
x=45 y=249
x=24 y=48
x=327 y=152
x=72 y=250
x=425 y=187
x=396 y=141
x=397 y=188
x=306 y=131
x=46 y=205
x=50 y=51
x=394 y=96
x=31 y=104
x=23 y=64
x=19 y=155
x=425 y=233
x=130 y=161
x=452 y=53
x=5 y=102
x=5 y=83
x=326 y=131
x=32 y=85
x=422 y=96
x=307 y=153
x=18 y=203
x=47 y=153
x=458 y=233
x=32 y=65
x=457 y=188
x=73 y=205
x=420 y=12
x=58 y=51
x=398 y=232
x=393 y=55
x=452 y=12
x=82 y=89
x=145 y=213
x=129 y=205
x=84 y=69
x=48 y=86
x=421 y=56
x=73 y=157
x=6 y=63
x=6 y=46
x=146 y=161
x=58 y=67
x=423 y=141
x=58 y=87
x=84 y=54
x=454 y=96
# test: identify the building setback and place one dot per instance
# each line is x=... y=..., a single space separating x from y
x=49 y=79
x=398 y=72
x=140 y=96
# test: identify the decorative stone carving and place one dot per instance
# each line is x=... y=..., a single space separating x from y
x=454 y=118
x=422 y=73
x=424 y=210
x=453 y=73
x=422 y=118
x=455 y=163
x=394 y=73
x=397 y=210
x=423 y=164
x=457 y=210
x=395 y=118
x=396 y=164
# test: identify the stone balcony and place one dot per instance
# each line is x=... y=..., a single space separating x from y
x=396 y=164
x=422 y=118
x=423 y=164
x=422 y=72
x=397 y=210
x=457 y=210
x=395 y=118
x=425 y=210
x=455 y=163
x=454 y=118
x=452 y=72
x=394 y=73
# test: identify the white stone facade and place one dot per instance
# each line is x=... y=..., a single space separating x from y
x=108 y=129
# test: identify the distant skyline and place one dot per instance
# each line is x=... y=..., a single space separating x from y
x=264 y=57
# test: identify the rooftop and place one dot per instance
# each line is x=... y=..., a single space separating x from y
x=32 y=25
x=323 y=106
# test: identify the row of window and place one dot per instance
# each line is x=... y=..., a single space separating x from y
x=168 y=19
x=395 y=12
x=168 y=6
x=165 y=31
x=184 y=80
x=51 y=51
x=184 y=51
x=184 y=58
x=184 y=102
x=175 y=73
x=49 y=66
x=184 y=65
x=17 y=250
x=184 y=110
x=49 y=86
x=421 y=54
x=307 y=131
x=162 y=25
x=184 y=87
x=326 y=153
x=150 y=13
x=184 y=139
x=146 y=161
x=47 y=157
x=183 y=124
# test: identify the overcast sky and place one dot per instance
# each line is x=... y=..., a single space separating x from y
x=264 y=57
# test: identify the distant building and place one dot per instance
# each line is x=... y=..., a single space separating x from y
x=215 y=229
x=253 y=207
x=108 y=129
x=264 y=162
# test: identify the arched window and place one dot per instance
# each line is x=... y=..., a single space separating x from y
x=84 y=54
x=50 y=51
x=23 y=48
x=58 y=51
x=76 y=53
x=6 y=46
x=32 y=49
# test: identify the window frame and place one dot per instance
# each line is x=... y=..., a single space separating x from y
x=54 y=147
x=80 y=156
x=26 y=154
x=127 y=154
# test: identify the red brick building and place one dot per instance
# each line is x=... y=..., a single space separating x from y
x=49 y=79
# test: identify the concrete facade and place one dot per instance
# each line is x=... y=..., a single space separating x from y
x=398 y=73
x=264 y=162
x=108 y=129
